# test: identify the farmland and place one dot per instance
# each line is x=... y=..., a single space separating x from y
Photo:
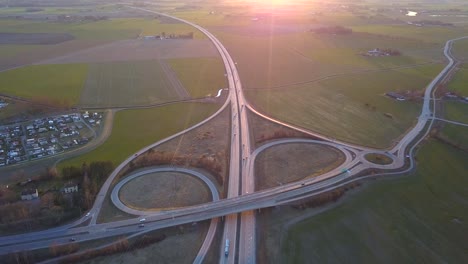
x=148 y=125
x=127 y=84
x=86 y=35
x=459 y=81
x=351 y=108
x=455 y=134
x=289 y=58
x=423 y=211
x=201 y=76
x=456 y=111
x=460 y=49
x=57 y=84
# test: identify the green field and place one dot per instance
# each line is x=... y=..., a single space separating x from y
x=49 y=83
x=417 y=219
x=351 y=108
x=430 y=34
x=459 y=82
x=126 y=84
x=460 y=49
x=455 y=134
x=200 y=76
x=456 y=111
x=135 y=129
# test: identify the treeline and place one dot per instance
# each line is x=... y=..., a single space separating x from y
x=281 y=133
x=188 y=35
x=391 y=52
x=213 y=164
x=120 y=245
x=433 y=23
x=54 y=206
x=324 y=198
x=332 y=30
x=91 y=177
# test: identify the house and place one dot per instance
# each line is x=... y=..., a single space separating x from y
x=29 y=194
x=396 y=96
x=70 y=187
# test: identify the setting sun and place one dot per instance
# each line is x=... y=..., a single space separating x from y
x=272 y=2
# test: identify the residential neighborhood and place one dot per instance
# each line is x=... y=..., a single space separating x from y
x=46 y=136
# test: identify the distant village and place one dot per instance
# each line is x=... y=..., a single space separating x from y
x=47 y=136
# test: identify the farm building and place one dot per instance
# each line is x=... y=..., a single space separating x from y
x=395 y=96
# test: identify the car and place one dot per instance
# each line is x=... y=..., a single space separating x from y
x=141 y=225
x=87 y=214
x=142 y=220
x=72 y=239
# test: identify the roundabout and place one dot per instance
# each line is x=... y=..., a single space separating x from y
x=138 y=194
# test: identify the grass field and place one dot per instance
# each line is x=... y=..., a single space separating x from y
x=164 y=190
x=457 y=135
x=181 y=245
x=200 y=76
x=456 y=111
x=127 y=84
x=459 y=81
x=415 y=219
x=378 y=159
x=56 y=83
x=352 y=107
x=460 y=49
x=134 y=129
x=431 y=34
x=273 y=168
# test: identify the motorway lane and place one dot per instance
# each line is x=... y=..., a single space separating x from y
x=230 y=230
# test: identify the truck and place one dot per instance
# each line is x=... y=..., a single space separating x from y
x=226 y=248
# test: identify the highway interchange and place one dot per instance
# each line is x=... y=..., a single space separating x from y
x=242 y=199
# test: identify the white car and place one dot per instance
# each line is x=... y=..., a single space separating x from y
x=142 y=220
x=88 y=214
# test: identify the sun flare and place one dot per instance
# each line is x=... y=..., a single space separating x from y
x=272 y=2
